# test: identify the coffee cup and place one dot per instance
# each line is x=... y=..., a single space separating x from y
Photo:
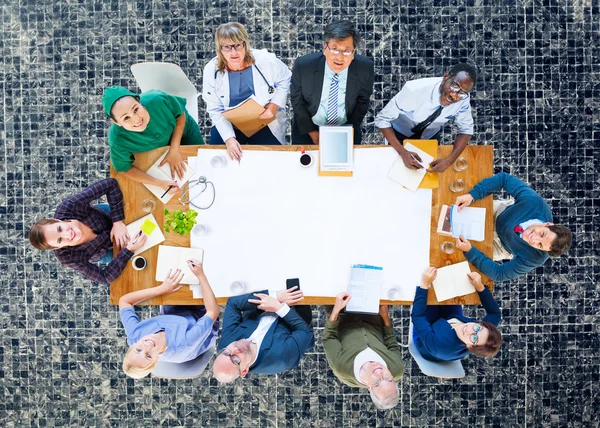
x=139 y=263
x=306 y=160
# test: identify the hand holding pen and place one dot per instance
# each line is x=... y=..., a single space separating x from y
x=137 y=242
x=196 y=267
x=411 y=160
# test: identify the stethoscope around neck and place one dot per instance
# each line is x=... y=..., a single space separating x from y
x=271 y=88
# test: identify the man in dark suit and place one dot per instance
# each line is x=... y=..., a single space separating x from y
x=262 y=334
x=333 y=87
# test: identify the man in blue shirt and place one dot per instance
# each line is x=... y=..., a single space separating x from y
x=525 y=229
x=423 y=106
x=333 y=87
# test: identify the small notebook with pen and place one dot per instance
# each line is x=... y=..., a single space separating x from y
x=164 y=173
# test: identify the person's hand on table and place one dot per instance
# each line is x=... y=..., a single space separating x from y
x=165 y=184
x=171 y=283
x=439 y=165
x=463 y=201
x=137 y=242
x=119 y=234
x=270 y=110
x=291 y=296
x=266 y=302
x=411 y=160
x=475 y=280
x=234 y=149
x=314 y=136
x=463 y=244
x=428 y=276
x=176 y=163
x=196 y=267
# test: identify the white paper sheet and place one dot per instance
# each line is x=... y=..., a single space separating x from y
x=274 y=219
x=410 y=178
x=452 y=281
x=164 y=173
x=364 y=288
x=468 y=222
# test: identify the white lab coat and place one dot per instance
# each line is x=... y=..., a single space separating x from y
x=215 y=92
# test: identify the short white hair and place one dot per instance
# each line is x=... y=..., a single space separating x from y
x=388 y=402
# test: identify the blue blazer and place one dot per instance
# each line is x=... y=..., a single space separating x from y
x=284 y=344
x=438 y=341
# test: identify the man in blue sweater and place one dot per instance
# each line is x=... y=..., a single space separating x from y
x=525 y=229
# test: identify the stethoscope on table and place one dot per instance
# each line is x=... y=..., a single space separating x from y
x=200 y=181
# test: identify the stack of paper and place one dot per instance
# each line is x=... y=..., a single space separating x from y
x=468 y=222
x=410 y=178
x=171 y=258
x=365 y=288
x=164 y=173
x=150 y=227
x=452 y=281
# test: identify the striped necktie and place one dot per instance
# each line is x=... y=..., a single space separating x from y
x=332 y=102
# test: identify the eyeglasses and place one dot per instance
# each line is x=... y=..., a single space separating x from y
x=337 y=51
x=455 y=87
x=234 y=359
x=474 y=337
x=236 y=47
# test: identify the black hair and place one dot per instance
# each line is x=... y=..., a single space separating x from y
x=339 y=30
x=466 y=68
x=137 y=98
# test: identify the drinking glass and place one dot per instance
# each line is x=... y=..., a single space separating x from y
x=236 y=288
x=148 y=205
x=447 y=247
x=460 y=164
x=218 y=161
x=457 y=186
x=199 y=230
x=394 y=293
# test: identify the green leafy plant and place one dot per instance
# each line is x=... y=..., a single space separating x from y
x=179 y=221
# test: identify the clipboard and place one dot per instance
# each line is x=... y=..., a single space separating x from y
x=245 y=116
x=430 y=181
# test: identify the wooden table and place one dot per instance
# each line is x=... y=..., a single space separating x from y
x=480 y=159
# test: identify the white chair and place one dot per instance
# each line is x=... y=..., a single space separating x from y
x=168 y=78
x=187 y=370
x=442 y=369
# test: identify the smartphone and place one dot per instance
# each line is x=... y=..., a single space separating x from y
x=292 y=282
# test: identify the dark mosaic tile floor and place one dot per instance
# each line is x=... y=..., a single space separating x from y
x=536 y=102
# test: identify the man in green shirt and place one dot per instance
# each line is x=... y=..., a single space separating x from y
x=363 y=352
x=145 y=122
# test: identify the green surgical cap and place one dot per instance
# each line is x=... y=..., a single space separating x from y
x=112 y=94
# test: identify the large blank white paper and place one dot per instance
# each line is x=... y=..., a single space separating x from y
x=410 y=178
x=452 y=281
x=468 y=222
x=274 y=219
x=155 y=238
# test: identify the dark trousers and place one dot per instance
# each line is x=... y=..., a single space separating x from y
x=264 y=137
x=305 y=312
x=402 y=137
x=348 y=317
x=303 y=139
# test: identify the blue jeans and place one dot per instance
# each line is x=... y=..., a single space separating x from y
x=435 y=312
x=264 y=137
x=108 y=257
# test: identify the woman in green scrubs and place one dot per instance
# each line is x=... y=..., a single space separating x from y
x=145 y=122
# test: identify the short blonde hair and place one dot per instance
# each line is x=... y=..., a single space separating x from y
x=235 y=32
x=136 y=372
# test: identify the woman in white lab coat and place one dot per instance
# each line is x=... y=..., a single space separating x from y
x=236 y=73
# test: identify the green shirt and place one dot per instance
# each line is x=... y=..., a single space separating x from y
x=164 y=110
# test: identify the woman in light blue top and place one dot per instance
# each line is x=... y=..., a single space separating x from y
x=180 y=335
x=235 y=74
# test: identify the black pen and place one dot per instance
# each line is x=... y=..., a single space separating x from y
x=167 y=191
x=136 y=237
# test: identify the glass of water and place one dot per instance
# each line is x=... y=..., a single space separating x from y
x=457 y=186
x=236 y=288
x=460 y=164
x=394 y=293
x=447 y=247
x=218 y=161
x=148 y=205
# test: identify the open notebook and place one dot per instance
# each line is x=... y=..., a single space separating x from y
x=452 y=281
x=164 y=173
x=365 y=288
x=150 y=226
x=176 y=258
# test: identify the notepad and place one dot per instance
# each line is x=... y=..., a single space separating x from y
x=245 y=116
x=365 y=288
x=452 y=281
x=468 y=222
x=176 y=258
x=336 y=150
x=410 y=178
x=149 y=226
x=163 y=173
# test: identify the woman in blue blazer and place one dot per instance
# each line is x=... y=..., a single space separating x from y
x=443 y=333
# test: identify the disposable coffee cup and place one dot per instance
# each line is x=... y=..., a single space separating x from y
x=139 y=263
x=237 y=288
x=306 y=160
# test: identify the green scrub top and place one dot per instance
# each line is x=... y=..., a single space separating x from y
x=164 y=110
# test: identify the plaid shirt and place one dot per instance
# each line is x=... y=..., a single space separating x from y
x=79 y=207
